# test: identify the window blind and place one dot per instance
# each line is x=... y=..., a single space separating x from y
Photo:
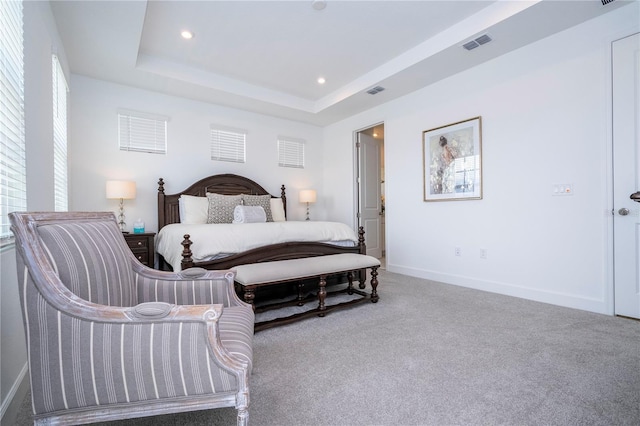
x=13 y=186
x=60 y=90
x=290 y=152
x=228 y=144
x=142 y=132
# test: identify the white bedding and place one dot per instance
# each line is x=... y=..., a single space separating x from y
x=216 y=240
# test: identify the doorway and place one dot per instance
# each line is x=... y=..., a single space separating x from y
x=626 y=175
x=370 y=198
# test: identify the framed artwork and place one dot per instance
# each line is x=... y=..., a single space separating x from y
x=452 y=161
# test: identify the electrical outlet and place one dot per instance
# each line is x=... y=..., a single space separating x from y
x=562 y=189
x=483 y=253
x=458 y=251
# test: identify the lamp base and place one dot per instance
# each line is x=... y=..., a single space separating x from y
x=307 y=212
x=121 y=221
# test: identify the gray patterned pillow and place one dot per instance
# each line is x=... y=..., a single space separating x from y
x=263 y=201
x=221 y=207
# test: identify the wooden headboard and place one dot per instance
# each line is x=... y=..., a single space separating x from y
x=227 y=184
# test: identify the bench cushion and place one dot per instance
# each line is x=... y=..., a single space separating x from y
x=282 y=270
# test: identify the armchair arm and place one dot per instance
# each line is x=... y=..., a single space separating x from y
x=89 y=361
x=193 y=286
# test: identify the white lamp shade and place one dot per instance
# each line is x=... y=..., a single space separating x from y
x=308 y=196
x=121 y=189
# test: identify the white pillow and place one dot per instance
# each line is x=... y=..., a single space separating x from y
x=193 y=209
x=277 y=210
x=249 y=214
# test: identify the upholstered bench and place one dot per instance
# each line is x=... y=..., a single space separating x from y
x=252 y=276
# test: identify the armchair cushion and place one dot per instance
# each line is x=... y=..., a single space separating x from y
x=90 y=260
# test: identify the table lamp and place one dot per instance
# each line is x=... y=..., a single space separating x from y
x=123 y=190
x=307 y=196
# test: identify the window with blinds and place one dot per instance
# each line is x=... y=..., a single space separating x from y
x=142 y=132
x=13 y=173
x=228 y=144
x=290 y=152
x=60 y=90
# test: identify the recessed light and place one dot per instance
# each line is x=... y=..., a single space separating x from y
x=186 y=34
x=321 y=80
x=319 y=4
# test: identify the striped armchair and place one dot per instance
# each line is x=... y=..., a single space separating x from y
x=109 y=338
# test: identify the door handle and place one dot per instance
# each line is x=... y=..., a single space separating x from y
x=623 y=211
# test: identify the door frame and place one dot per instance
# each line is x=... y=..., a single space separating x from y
x=356 y=175
x=610 y=295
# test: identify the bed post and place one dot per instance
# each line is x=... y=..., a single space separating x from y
x=187 y=261
x=283 y=196
x=161 y=218
x=362 y=249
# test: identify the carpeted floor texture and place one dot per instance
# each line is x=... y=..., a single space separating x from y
x=434 y=354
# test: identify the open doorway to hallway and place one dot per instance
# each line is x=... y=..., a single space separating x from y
x=370 y=184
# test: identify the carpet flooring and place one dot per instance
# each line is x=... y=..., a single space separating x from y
x=434 y=354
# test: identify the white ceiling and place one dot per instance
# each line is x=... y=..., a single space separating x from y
x=265 y=56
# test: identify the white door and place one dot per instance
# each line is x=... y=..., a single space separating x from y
x=626 y=166
x=370 y=200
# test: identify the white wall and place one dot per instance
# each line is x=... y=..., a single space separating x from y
x=546 y=119
x=40 y=41
x=94 y=156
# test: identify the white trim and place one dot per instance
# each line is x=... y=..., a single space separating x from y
x=14 y=389
x=507 y=289
x=609 y=259
x=356 y=171
x=7 y=244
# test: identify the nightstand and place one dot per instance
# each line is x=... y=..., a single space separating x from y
x=142 y=247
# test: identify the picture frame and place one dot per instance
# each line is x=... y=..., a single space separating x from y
x=452 y=161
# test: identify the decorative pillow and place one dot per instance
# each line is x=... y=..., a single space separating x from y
x=277 y=210
x=249 y=214
x=221 y=207
x=259 y=200
x=193 y=209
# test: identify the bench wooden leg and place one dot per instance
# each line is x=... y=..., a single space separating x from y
x=350 y=279
x=250 y=295
x=362 y=274
x=322 y=294
x=374 y=284
x=300 y=293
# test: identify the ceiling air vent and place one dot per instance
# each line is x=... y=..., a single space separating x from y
x=375 y=90
x=483 y=39
x=606 y=2
x=470 y=45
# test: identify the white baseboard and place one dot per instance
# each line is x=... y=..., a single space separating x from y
x=555 y=298
x=9 y=404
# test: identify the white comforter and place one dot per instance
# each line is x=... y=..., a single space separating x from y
x=211 y=241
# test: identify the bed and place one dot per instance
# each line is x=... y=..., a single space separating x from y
x=179 y=245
